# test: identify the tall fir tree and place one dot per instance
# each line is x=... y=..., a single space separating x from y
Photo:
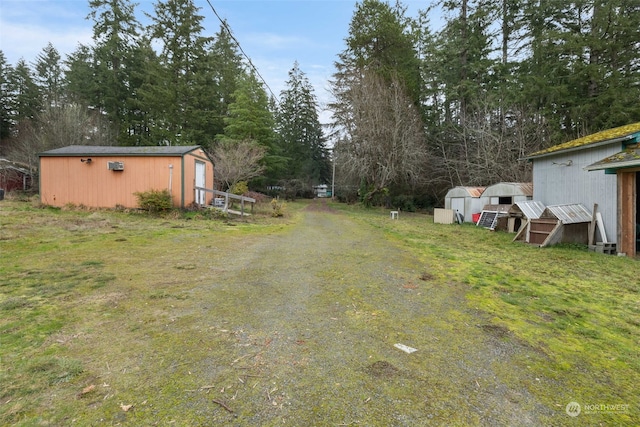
x=79 y=78
x=49 y=76
x=27 y=100
x=380 y=39
x=145 y=70
x=227 y=66
x=6 y=101
x=300 y=131
x=115 y=31
x=179 y=98
x=251 y=118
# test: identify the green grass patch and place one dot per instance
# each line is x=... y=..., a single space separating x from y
x=578 y=309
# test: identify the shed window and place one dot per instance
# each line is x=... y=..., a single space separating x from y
x=501 y=200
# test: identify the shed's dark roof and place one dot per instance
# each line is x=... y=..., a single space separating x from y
x=101 y=150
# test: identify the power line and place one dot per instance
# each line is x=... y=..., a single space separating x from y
x=226 y=27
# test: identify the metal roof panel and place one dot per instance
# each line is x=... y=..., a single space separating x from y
x=629 y=157
x=570 y=213
x=532 y=209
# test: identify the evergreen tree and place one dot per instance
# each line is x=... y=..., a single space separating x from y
x=80 y=82
x=300 y=132
x=580 y=69
x=115 y=32
x=180 y=97
x=251 y=119
x=145 y=73
x=6 y=101
x=463 y=51
x=49 y=76
x=380 y=39
x=27 y=101
x=380 y=57
x=227 y=68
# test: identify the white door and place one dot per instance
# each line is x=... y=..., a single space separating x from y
x=200 y=182
x=457 y=205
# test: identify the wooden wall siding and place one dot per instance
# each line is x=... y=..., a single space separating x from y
x=627 y=213
x=65 y=180
x=555 y=184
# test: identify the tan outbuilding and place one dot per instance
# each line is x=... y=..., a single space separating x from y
x=109 y=176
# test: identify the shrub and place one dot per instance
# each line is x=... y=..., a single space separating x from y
x=404 y=202
x=154 y=200
x=239 y=188
x=277 y=208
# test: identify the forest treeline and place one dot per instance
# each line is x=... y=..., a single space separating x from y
x=415 y=109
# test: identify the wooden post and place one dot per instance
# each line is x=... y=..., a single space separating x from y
x=626 y=213
x=592 y=226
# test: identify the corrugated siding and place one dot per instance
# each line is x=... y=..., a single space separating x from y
x=470 y=195
x=531 y=209
x=570 y=214
x=502 y=189
x=67 y=180
x=556 y=184
x=465 y=192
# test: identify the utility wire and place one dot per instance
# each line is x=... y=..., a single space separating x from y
x=226 y=27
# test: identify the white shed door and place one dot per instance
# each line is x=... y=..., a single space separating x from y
x=457 y=204
x=200 y=182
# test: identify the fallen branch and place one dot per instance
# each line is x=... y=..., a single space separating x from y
x=239 y=359
x=224 y=405
x=207 y=387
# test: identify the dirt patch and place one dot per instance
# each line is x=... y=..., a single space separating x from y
x=382 y=369
x=320 y=205
x=496 y=330
x=315 y=312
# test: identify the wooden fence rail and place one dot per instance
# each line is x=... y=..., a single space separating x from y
x=201 y=195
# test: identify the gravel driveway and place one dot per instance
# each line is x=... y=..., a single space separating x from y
x=304 y=324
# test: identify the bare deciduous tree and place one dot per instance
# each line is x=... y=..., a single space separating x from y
x=486 y=148
x=59 y=126
x=237 y=161
x=384 y=143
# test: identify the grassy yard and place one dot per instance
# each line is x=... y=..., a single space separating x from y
x=88 y=302
x=579 y=310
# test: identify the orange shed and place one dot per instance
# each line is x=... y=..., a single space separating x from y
x=105 y=176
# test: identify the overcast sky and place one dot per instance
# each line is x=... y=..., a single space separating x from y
x=273 y=33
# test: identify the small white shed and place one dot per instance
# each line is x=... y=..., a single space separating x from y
x=507 y=193
x=465 y=200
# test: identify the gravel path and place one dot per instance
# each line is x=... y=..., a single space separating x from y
x=309 y=317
